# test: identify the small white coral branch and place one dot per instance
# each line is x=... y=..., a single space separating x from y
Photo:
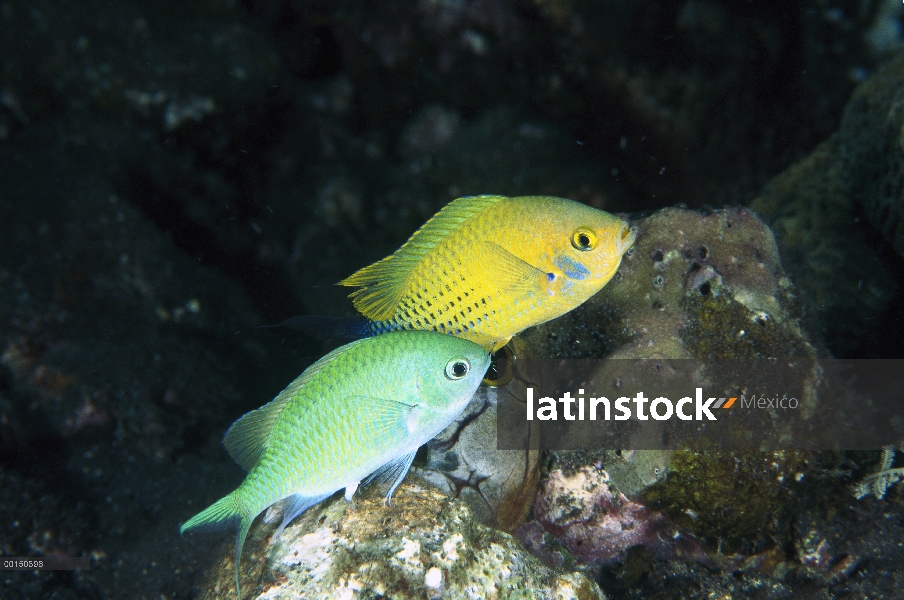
x=884 y=477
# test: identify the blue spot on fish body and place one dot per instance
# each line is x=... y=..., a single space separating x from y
x=571 y=268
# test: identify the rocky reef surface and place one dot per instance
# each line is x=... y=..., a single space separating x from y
x=425 y=545
x=838 y=216
x=704 y=285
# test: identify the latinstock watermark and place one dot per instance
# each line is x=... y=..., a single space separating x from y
x=660 y=408
x=795 y=403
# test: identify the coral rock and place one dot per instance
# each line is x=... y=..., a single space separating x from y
x=425 y=545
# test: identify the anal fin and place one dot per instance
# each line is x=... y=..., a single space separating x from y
x=295 y=505
x=393 y=471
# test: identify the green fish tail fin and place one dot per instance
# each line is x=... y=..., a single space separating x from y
x=226 y=513
x=242 y=532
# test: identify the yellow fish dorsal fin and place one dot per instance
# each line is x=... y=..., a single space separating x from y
x=247 y=439
x=383 y=283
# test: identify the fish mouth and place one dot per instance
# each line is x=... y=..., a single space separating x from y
x=625 y=239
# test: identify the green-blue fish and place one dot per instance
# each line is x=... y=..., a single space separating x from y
x=359 y=413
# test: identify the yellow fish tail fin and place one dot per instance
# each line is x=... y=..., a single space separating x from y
x=384 y=283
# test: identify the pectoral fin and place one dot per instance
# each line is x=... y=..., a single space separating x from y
x=511 y=273
x=386 y=419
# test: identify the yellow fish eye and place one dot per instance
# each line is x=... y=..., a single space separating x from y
x=583 y=239
x=457 y=368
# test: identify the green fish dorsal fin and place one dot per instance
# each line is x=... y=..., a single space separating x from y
x=383 y=283
x=247 y=439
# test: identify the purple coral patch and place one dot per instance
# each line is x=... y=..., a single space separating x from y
x=598 y=525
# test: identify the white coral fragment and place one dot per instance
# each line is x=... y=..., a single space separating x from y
x=884 y=477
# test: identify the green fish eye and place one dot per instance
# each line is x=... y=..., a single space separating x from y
x=457 y=368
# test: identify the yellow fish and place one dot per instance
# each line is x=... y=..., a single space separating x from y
x=485 y=268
